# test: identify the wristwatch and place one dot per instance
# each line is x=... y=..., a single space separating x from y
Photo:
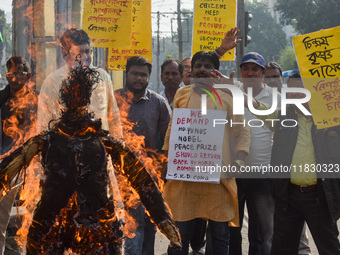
x=239 y=162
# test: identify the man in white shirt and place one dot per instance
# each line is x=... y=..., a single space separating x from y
x=76 y=46
x=171 y=77
x=255 y=192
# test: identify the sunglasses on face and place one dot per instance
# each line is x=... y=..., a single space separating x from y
x=17 y=75
x=186 y=68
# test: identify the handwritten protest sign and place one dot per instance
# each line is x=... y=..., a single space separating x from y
x=108 y=22
x=195 y=145
x=141 y=40
x=212 y=19
x=318 y=56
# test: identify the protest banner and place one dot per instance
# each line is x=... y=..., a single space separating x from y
x=108 y=22
x=318 y=56
x=141 y=39
x=195 y=146
x=212 y=19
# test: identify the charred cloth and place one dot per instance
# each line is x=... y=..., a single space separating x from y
x=76 y=211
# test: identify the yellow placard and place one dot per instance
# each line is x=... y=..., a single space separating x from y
x=108 y=22
x=212 y=19
x=318 y=56
x=141 y=39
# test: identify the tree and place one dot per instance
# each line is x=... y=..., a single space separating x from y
x=6 y=45
x=5 y=29
x=287 y=59
x=267 y=37
x=309 y=15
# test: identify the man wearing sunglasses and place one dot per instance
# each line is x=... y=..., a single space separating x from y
x=18 y=105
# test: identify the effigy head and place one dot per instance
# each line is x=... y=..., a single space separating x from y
x=75 y=92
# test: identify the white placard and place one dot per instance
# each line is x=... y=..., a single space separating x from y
x=195 y=145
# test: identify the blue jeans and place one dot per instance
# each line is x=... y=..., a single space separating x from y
x=256 y=194
x=218 y=240
x=144 y=241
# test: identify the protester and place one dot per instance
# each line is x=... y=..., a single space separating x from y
x=171 y=71
x=215 y=202
x=18 y=104
x=186 y=63
x=197 y=241
x=273 y=75
x=255 y=192
x=273 y=78
x=171 y=77
x=149 y=115
x=76 y=46
x=305 y=196
x=230 y=36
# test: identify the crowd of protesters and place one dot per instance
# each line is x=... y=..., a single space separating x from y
x=209 y=216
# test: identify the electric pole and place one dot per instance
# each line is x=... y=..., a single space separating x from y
x=179 y=31
x=158 y=51
x=240 y=25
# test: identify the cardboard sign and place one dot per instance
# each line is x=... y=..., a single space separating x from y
x=212 y=20
x=141 y=39
x=195 y=145
x=108 y=22
x=318 y=56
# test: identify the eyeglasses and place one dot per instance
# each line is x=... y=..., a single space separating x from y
x=17 y=75
x=142 y=75
x=186 y=68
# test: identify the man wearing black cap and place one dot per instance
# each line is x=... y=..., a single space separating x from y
x=256 y=192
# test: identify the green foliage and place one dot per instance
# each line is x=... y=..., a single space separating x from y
x=2 y=18
x=5 y=29
x=267 y=37
x=287 y=59
x=309 y=15
x=169 y=55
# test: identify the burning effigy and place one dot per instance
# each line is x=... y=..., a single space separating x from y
x=76 y=211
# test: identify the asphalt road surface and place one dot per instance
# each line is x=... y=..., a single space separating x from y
x=162 y=242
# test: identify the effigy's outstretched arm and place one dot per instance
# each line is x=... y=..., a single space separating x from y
x=125 y=161
x=12 y=165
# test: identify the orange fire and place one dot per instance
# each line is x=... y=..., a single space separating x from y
x=30 y=193
x=18 y=105
x=154 y=165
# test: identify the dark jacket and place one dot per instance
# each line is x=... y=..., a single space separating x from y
x=327 y=151
x=4 y=96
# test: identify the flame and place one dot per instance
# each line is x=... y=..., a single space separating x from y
x=88 y=236
x=136 y=143
x=20 y=133
x=153 y=164
x=30 y=194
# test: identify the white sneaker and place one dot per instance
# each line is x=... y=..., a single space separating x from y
x=200 y=252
